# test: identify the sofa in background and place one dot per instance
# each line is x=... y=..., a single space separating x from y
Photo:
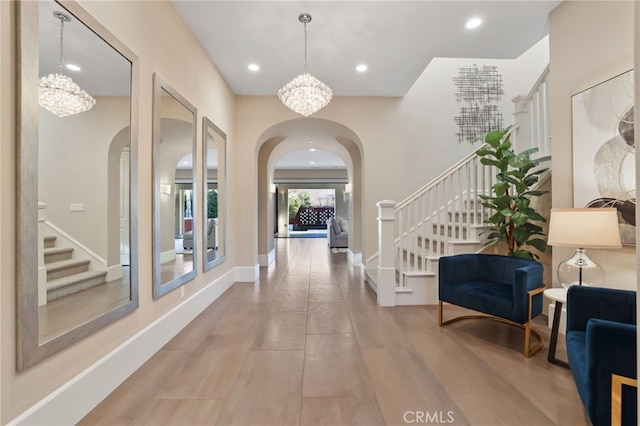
x=337 y=233
x=212 y=225
x=508 y=289
x=601 y=341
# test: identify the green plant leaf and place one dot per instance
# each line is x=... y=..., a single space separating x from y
x=521 y=235
x=490 y=162
x=525 y=254
x=500 y=188
x=534 y=215
x=536 y=193
x=519 y=218
x=484 y=151
x=538 y=243
x=494 y=138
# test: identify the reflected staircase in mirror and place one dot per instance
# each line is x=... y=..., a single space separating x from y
x=446 y=216
x=65 y=274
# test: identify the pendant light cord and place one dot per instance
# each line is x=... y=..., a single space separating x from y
x=61 y=44
x=305 y=47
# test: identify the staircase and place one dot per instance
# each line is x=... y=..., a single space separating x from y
x=446 y=216
x=66 y=275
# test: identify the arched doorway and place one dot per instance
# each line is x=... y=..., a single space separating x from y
x=294 y=135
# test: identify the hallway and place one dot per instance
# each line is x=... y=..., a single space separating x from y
x=307 y=344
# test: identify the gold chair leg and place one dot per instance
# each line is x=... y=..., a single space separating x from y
x=616 y=396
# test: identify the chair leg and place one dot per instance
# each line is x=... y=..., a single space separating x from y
x=440 y=313
x=529 y=351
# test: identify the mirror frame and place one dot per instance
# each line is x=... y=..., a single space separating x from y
x=207 y=125
x=29 y=349
x=159 y=288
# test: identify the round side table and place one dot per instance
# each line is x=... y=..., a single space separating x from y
x=559 y=296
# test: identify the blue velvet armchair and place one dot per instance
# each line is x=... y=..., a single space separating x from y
x=508 y=289
x=601 y=341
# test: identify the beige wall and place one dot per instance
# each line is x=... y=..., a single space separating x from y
x=405 y=142
x=590 y=42
x=179 y=59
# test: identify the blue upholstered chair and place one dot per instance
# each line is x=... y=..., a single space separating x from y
x=507 y=289
x=601 y=341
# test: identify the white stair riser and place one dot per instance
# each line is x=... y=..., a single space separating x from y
x=424 y=291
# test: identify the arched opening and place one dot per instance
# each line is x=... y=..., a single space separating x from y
x=294 y=135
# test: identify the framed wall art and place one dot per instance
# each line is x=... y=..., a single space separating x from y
x=604 y=150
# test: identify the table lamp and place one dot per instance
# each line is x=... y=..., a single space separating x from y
x=583 y=228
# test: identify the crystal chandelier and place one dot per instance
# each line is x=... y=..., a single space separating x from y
x=58 y=93
x=305 y=94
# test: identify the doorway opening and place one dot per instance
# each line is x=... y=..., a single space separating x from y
x=308 y=212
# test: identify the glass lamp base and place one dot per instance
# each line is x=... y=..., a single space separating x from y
x=580 y=270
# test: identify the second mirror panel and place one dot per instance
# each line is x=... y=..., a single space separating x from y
x=175 y=218
x=214 y=194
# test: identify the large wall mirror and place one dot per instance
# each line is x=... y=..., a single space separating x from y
x=214 y=165
x=175 y=225
x=77 y=179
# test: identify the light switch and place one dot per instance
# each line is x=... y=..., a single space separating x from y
x=76 y=207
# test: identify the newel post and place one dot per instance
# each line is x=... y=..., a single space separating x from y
x=520 y=120
x=386 y=281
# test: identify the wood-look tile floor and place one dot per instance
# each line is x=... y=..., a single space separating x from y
x=308 y=345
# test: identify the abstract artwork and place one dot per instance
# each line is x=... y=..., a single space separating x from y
x=604 y=150
x=479 y=90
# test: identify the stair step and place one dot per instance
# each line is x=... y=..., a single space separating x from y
x=64 y=268
x=50 y=241
x=74 y=283
x=57 y=254
x=419 y=274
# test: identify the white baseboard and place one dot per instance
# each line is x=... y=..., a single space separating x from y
x=114 y=273
x=267 y=259
x=167 y=256
x=354 y=258
x=75 y=399
x=246 y=274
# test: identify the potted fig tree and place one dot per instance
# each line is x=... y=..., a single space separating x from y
x=513 y=221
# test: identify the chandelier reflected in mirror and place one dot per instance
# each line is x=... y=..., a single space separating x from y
x=57 y=92
x=305 y=94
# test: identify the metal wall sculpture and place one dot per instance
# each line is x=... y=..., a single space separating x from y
x=479 y=90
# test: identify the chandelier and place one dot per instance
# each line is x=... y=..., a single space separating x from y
x=57 y=92
x=305 y=94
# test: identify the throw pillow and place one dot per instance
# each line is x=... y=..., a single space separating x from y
x=344 y=224
x=335 y=226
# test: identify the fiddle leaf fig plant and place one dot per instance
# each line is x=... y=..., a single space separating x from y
x=513 y=220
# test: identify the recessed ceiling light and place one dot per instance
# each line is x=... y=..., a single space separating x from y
x=312 y=149
x=312 y=162
x=473 y=23
x=361 y=68
x=73 y=67
x=254 y=67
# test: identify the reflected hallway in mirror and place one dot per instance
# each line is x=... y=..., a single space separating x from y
x=76 y=245
x=214 y=227
x=175 y=226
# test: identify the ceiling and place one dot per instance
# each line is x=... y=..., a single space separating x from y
x=395 y=39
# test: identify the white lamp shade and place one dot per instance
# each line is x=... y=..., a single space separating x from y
x=584 y=228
